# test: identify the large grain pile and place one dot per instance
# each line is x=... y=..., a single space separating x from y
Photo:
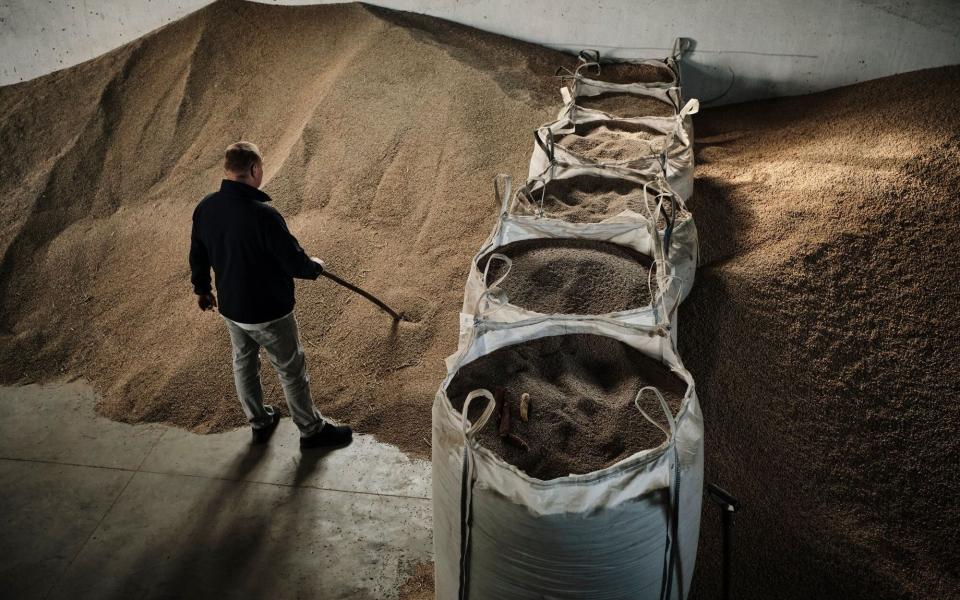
x=380 y=132
x=568 y=276
x=582 y=415
x=821 y=331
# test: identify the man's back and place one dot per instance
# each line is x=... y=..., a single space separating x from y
x=253 y=255
x=255 y=258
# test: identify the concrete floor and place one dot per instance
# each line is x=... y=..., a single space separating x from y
x=97 y=509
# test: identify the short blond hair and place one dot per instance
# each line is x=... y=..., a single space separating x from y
x=240 y=156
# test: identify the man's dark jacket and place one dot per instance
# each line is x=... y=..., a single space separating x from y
x=253 y=254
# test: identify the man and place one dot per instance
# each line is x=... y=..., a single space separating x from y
x=255 y=259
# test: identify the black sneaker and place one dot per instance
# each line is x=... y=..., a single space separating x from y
x=261 y=435
x=329 y=436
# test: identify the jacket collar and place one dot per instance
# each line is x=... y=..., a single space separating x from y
x=237 y=188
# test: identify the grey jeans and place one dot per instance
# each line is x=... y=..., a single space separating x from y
x=281 y=340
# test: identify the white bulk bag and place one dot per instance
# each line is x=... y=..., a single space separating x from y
x=584 y=87
x=627 y=531
x=522 y=216
x=629 y=229
x=590 y=62
x=671 y=151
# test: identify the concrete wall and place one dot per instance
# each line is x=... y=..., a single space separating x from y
x=743 y=48
x=40 y=36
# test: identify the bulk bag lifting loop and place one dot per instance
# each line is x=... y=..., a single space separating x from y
x=491 y=294
x=466 y=493
x=669 y=562
x=586 y=60
x=680 y=47
x=502 y=190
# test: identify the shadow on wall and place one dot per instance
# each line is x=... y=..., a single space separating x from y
x=715 y=81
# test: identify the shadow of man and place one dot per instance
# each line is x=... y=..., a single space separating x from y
x=229 y=546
